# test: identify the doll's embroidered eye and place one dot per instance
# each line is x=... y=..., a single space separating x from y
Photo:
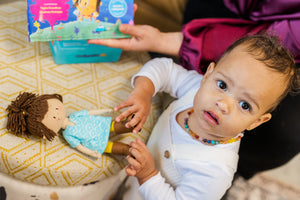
x=54 y=117
x=222 y=85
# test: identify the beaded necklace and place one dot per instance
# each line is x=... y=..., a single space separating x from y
x=212 y=142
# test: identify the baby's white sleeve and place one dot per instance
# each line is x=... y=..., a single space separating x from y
x=155 y=188
x=169 y=77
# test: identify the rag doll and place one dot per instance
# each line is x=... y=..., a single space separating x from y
x=44 y=116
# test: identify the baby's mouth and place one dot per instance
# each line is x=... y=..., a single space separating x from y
x=212 y=118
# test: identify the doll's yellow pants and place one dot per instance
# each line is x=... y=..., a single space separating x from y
x=110 y=144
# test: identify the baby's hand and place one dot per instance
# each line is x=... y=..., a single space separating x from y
x=141 y=163
x=139 y=105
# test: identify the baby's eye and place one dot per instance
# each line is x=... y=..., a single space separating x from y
x=245 y=105
x=54 y=117
x=222 y=85
x=56 y=108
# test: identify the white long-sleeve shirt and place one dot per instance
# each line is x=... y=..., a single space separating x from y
x=200 y=179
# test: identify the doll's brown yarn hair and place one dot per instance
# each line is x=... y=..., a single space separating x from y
x=25 y=115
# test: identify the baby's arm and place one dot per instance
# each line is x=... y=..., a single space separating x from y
x=141 y=163
x=87 y=151
x=139 y=103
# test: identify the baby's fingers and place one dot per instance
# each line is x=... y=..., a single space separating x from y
x=137 y=122
x=139 y=151
x=139 y=126
x=133 y=162
x=122 y=105
x=124 y=115
x=130 y=171
x=139 y=146
x=133 y=166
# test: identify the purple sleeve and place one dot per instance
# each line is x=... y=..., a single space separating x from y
x=284 y=16
x=265 y=10
x=288 y=31
x=206 y=39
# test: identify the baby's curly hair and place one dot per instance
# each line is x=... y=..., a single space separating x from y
x=25 y=115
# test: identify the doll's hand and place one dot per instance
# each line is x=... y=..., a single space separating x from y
x=87 y=151
x=141 y=163
x=99 y=155
x=96 y=154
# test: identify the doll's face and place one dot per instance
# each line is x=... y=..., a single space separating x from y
x=56 y=115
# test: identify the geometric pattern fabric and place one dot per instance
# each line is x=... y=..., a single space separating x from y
x=30 y=67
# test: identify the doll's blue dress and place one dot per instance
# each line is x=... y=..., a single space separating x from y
x=90 y=131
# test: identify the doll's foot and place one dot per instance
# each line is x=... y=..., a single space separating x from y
x=120 y=148
x=120 y=127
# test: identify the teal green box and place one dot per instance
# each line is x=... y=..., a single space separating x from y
x=79 y=51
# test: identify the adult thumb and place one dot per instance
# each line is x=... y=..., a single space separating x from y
x=133 y=30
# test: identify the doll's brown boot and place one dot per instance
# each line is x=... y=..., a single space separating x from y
x=120 y=148
x=120 y=127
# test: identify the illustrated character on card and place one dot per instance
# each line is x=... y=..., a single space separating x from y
x=44 y=116
x=87 y=9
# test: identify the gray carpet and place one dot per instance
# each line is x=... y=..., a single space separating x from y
x=262 y=187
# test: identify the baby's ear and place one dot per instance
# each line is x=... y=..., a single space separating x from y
x=262 y=119
x=209 y=70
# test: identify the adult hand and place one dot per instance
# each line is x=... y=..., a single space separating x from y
x=141 y=163
x=143 y=38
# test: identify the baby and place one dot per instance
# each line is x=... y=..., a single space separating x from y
x=192 y=152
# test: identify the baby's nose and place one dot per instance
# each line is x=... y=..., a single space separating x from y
x=224 y=105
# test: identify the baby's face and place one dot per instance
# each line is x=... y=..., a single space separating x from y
x=236 y=94
x=56 y=115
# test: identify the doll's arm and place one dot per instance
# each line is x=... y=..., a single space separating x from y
x=100 y=111
x=87 y=151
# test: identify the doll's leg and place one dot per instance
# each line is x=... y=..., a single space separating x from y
x=117 y=148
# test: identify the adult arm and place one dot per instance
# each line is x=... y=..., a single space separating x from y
x=144 y=38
